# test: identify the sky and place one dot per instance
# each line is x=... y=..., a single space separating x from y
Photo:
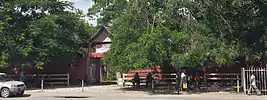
x=84 y=5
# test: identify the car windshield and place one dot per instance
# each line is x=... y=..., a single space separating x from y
x=4 y=78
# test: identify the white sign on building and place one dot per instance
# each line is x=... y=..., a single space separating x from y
x=102 y=48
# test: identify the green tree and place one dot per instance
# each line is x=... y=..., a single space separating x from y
x=35 y=33
x=144 y=33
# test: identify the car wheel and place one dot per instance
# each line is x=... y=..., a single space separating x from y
x=5 y=92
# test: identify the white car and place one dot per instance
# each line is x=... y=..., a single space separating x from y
x=10 y=87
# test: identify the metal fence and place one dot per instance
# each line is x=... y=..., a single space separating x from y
x=260 y=75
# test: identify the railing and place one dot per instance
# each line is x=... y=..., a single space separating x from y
x=130 y=76
x=171 y=81
x=224 y=77
x=127 y=78
x=48 y=79
x=167 y=82
x=260 y=77
x=56 y=79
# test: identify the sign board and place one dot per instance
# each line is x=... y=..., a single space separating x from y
x=102 y=48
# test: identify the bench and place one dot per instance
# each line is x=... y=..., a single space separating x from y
x=127 y=78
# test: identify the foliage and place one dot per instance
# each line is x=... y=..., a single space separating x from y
x=148 y=31
x=35 y=33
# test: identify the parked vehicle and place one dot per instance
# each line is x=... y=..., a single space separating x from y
x=9 y=87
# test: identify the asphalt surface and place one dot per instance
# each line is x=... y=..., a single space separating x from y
x=112 y=92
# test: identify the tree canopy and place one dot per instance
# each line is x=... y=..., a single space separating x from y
x=35 y=33
x=149 y=32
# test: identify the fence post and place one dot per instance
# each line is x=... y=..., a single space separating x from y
x=82 y=85
x=264 y=74
x=237 y=82
x=177 y=83
x=153 y=85
x=123 y=82
x=205 y=79
x=42 y=83
x=68 y=79
x=243 y=75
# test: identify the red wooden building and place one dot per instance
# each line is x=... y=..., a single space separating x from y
x=87 y=67
x=98 y=45
x=90 y=67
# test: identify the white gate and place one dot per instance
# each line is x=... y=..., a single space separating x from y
x=261 y=78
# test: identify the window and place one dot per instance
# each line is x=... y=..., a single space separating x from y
x=4 y=78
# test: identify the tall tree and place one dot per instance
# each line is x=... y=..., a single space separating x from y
x=35 y=33
x=188 y=31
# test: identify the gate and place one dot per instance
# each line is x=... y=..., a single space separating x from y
x=260 y=75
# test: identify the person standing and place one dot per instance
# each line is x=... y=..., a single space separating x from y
x=182 y=80
x=37 y=83
x=149 y=79
x=15 y=70
x=22 y=76
x=253 y=85
x=136 y=80
x=197 y=80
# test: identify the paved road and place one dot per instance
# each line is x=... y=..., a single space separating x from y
x=112 y=92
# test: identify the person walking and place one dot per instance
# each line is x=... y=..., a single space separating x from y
x=253 y=85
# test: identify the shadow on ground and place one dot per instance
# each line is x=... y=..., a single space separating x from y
x=73 y=97
x=23 y=96
x=173 y=91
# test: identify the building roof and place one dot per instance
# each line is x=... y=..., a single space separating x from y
x=99 y=32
